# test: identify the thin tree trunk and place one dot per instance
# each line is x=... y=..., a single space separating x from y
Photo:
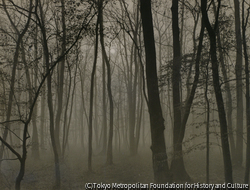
x=82 y=77
x=35 y=146
x=65 y=122
x=228 y=100
x=244 y=25
x=61 y=79
x=239 y=94
x=219 y=99
x=111 y=107
x=49 y=99
x=43 y=112
x=92 y=95
x=228 y=93
x=96 y=113
x=42 y=120
x=207 y=126
x=67 y=127
x=25 y=131
x=104 y=108
x=34 y=118
x=13 y=73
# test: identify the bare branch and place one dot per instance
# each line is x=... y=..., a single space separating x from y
x=11 y=149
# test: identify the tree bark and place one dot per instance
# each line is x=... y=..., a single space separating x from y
x=244 y=25
x=35 y=139
x=42 y=120
x=111 y=106
x=239 y=94
x=49 y=98
x=67 y=120
x=160 y=159
x=91 y=95
x=207 y=126
x=219 y=99
x=228 y=99
x=104 y=108
x=61 y=81
x=228 y=93
x=177 y=166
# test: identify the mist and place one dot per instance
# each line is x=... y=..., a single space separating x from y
x=129 y=94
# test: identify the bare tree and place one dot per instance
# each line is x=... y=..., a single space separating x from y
x=111 y=106
x=244 y=25
x=61 y=79
x=160 y=159
x=20 y=35
x=92 y=93
x=41 y=22
x=239 y=94
x=216 y=83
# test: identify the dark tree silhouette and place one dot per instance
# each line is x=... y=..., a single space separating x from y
x=238 y=157
x=216 y=83
x=91 y=94
x=244 y=25
x=177 y=166
x=160 y=159
x=111 y=106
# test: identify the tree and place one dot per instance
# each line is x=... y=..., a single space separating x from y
x=49 y=93
x=239 y=94
x=20 y=35
x=21 y=63
x=160 y=159
x=216 y=83
x=35 y=140
x=91 y=94
x=129 y=21
x=60 y=90
x=244 y=25
x=229 y=102
x=177 y=165
x=111 y=106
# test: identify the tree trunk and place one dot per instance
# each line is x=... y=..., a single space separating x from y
x=65 y=121
x=49 y=100
x=104 y=109
x=177 y=165
x=92 y=95
x=207 y=126
x=35 y=145
x=219 y=99
x=24 y=154
x=228 y=99
x=160 y=159
x=13 y=74
x=239 y=94
x=35 y=140
x=111 y=107
x=42 y=120
x=61 y=81
x=68 y=121
x=51 y=125
x=244 y=24
x=228 y=93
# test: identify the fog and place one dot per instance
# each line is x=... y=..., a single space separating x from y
x=91 y=99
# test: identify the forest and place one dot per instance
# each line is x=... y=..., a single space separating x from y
x=100 y=92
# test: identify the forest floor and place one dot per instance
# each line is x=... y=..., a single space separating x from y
x=126 y=169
